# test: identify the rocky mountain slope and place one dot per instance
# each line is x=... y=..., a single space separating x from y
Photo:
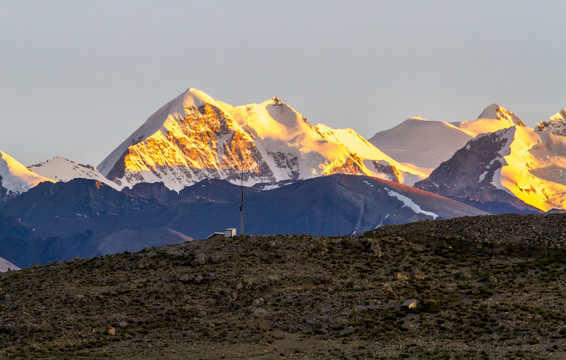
x=167 y=171
x=331 y=205
x=86 y=218
x=425 y=144
x=556 y=124
x=196 y=137
x=514 y=166
x=390 y=294
x=81 y=218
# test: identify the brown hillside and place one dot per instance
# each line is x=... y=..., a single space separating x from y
x=294 y=297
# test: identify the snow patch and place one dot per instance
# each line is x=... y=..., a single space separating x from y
x=411 y=204
x=367 y=183
x=270 y=187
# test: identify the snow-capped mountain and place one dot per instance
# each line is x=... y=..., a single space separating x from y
x=517 y=166
x=15 y=178
x=493 y=118
x=196 y=137
x=556 y=124
x=424 y=144
x=372 y=157
x=61 y=169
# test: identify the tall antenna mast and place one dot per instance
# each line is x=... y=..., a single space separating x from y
x=242 y=202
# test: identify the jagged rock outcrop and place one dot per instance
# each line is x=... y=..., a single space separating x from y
x=556 y=124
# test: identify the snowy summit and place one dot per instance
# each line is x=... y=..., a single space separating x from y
x=556 y=124
x=15 y=178
x=61 y=169
x=425 y=144
x=196 y=137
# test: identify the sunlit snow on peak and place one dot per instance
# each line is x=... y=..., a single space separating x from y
x=196 y=136
x=62 y=169
x=556 y=124
x=15 y=177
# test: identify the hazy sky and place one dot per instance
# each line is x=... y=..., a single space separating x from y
x=78 y=77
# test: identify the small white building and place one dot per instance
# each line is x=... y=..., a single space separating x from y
x=230 y=232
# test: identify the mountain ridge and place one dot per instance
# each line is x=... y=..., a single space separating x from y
x=62 y=169
x=84 y=217
x=198 y=137
x=516 y=163
x=427 y=143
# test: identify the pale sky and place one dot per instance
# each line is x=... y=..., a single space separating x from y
x=77 y=77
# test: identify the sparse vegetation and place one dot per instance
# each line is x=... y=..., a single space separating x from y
x=270 y=297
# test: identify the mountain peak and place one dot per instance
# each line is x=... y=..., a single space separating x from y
x=556 y=124
x=174 y=111
x=495 y=111
x=62 y=169
x=489 y=112
x=560 y=116
x=15 y=177
x=277 y=101
x=197 y=97
x=195 y=137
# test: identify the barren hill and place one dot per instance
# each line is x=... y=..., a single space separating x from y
x=420 y=290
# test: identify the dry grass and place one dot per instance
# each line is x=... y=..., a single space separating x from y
x=281 y=297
